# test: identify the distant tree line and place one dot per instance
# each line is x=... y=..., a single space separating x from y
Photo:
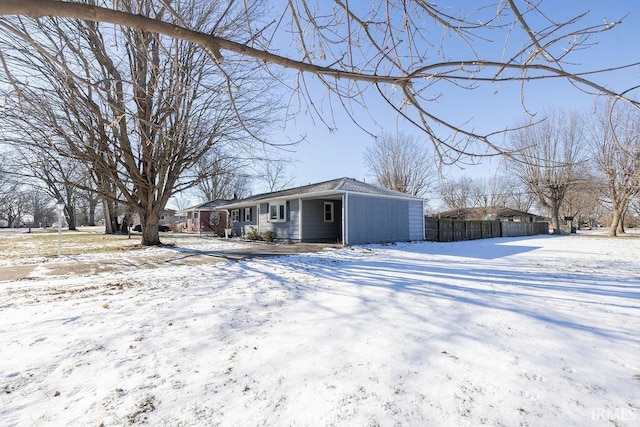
x=569 y=164
x=138 y=101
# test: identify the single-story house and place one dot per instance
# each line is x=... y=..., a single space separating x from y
x=209 y=217
x=167 y=217
x=341 y=210
x=490 y=213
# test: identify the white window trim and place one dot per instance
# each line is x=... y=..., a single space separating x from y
x=247 y=215
x=234 y=215
x=278 y=205
x=324 y=211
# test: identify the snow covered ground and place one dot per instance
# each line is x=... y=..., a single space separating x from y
x=527 y=331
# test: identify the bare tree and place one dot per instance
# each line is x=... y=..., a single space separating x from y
x=490 y=192
x=386 y=47
x=139 y=109
x=224 y=176
x=546 y=159
x=7 y=185
x=582 y=201
x=39 y=205
x=12 y=199
x=455 y=193
x=466 y=192
x=181 y=201
x=402 y=163
x=615 y=143
x=635 y=207
x=518 y=196
x=57 y=175
x=275 y=174
x=88 y=199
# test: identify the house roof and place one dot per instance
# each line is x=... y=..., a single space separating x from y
x=325 y=188
x=489 y=212
x=210 y=205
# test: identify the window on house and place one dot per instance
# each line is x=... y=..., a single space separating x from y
x=214 y=218
x=247 y=214
x=277 y=212
x=235 y=215
x=328 y=211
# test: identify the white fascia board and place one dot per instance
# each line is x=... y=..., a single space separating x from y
x=388 y=196
x=281 y=199
x=319 y=195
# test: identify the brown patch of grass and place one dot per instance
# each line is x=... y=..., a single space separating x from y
x=45 y=244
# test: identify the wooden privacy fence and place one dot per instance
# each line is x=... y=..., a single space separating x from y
x=453 y=230
x=515 y=229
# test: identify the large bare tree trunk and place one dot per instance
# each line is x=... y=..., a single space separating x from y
x=149 y=220
x=622 y=216
x=93 y=204
x=108 y=226
x=555 y=217
x=616 y=209
x=69 y=212
x=615 y=221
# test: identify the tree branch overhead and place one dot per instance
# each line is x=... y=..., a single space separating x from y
x=409 y=50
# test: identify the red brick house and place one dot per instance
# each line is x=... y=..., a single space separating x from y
x=209 y=217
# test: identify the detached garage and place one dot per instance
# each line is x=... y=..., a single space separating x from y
x=341 y=210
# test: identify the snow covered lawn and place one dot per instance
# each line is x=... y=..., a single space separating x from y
x=529 y=331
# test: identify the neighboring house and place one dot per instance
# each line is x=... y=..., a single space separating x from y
x=209 y=217
x=167 y=217
x=341 y=210
x=490 y=213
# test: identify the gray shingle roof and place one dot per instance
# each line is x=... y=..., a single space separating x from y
x=339 y=185
x=210 y=205
x=354 y=186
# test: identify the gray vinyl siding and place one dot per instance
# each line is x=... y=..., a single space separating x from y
x=241 y=227
x=288 y=229
x=377 y=219
x=263 y=217
x=314 y=228
x=416 y=221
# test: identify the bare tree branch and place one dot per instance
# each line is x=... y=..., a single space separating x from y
x=393 y=45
